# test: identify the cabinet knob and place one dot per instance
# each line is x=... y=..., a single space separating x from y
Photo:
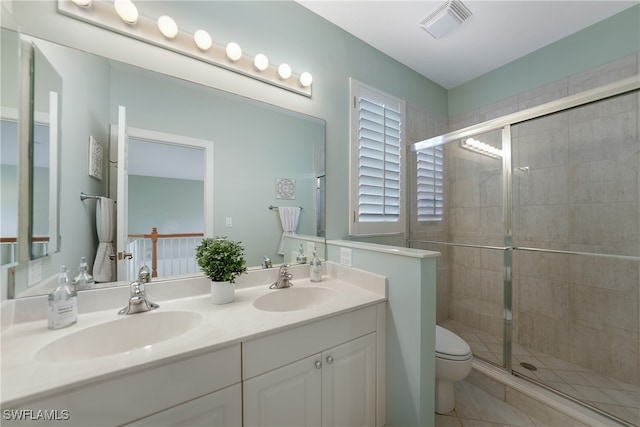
x=318 y=364
x=329 y=360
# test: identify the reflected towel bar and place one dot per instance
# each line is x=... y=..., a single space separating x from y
x=84 y=197
x=276 y=208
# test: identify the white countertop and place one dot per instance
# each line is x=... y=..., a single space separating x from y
x=24 y=378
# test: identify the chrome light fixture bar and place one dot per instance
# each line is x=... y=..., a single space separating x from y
x=121 y=16
x=483 y=148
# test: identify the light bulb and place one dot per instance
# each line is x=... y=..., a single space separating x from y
x=202 y=39
x=284 y=71
x=306 y=79
x=168 y=27
x=261 y=62
x=233 y=51
x=82 y=3
x=126 y=10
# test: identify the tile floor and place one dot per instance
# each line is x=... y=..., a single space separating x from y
x=611 y=395
x=476 y=407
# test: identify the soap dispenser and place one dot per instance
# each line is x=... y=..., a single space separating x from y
x=63 y=303
x=301 y=258
x=83 y=279
x=315 y=271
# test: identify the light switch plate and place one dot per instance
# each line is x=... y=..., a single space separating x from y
x=310 y=246
x=35 y=271
x=345 y=257
x=228 y=222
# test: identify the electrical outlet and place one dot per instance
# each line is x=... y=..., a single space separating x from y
x=228 y=222
x=345 y=257
x=310 y=246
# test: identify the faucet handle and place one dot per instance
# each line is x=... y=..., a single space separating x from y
x=284 y=269
x=144 y=274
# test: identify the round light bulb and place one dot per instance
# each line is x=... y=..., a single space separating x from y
x=168 y=27
x=306 y=79
x=284 y=71
x=82 y=3
x=261 y=62
x=126 y=10
x=202 y=39
x=233 y=51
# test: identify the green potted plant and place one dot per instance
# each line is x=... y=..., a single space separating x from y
x=221 y=260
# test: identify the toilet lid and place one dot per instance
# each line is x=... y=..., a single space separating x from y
x=450 y=346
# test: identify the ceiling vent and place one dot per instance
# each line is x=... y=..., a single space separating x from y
x=445 y=18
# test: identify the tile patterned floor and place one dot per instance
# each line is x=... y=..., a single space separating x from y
x=476 y=407
x=611 y=395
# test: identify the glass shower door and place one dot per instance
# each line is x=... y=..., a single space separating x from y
x=470 y=235
x=577 y=253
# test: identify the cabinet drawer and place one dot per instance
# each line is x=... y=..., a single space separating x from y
x=109 y=401
x=220 y=409
x=272 y=351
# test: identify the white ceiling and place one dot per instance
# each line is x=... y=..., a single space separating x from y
x=497 y=33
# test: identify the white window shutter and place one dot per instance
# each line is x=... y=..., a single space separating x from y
x=377 y=185
x=430 y=184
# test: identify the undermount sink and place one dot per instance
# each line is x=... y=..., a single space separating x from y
x=119 y=336
x=291 y=299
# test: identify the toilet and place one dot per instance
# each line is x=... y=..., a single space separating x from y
x=453 y=363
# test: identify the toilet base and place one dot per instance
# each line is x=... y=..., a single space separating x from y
x=445 y=397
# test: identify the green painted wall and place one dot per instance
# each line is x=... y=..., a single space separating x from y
x=596 y=45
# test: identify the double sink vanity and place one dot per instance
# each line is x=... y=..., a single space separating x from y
x=312 y=354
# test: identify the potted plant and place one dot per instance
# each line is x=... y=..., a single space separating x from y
x=221 y=260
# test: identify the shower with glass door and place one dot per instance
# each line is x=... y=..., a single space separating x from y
x=539 y=229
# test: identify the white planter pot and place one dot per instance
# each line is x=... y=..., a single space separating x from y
x=222 y=292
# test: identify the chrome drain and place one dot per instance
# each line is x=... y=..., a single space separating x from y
x=528 y=366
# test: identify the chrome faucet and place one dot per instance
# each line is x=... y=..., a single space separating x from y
x=138 y=301
x=266 y=262
x=284 y=278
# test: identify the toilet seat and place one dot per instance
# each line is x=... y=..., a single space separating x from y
x=450 y=346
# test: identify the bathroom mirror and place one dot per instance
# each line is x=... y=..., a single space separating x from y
x=46 y=87
x=9 y=107
x=258 y=150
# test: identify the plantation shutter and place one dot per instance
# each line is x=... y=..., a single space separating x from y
x=379 y=141
x=430 y=185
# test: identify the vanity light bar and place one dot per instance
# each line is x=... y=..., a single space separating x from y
x=167 y=34
x=481 y=148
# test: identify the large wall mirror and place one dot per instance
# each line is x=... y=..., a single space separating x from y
x=259 y=157
x=44 y=144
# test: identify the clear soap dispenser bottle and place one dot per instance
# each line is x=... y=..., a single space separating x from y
x=83 y=279
x=63 y=303
x=301 y=258
x=315 y=272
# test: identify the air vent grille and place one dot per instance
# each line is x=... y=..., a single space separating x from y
x=445 y=18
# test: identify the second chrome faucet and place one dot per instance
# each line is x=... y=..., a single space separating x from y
x=284 y=278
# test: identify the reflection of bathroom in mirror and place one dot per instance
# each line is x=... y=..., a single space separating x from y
x=9 y=106
x=46 y=91
x=254 y=145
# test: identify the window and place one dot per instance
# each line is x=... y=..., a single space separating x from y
x=430 y=184
x=377 y=162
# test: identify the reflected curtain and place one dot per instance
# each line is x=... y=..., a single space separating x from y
x=289 y=218
x=103 y=267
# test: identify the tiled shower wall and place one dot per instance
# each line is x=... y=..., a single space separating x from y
x=580 y=194
x=577 y=194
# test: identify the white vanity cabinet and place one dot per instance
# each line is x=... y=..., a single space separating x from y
x=169 y=393
x=320 y=374
x=219 y=409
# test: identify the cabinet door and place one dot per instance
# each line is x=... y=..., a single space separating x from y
x=287 y=396
x=220 y=409
x=349 y=383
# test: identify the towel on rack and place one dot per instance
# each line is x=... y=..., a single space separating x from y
x=289 y=218
x=104 y=266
